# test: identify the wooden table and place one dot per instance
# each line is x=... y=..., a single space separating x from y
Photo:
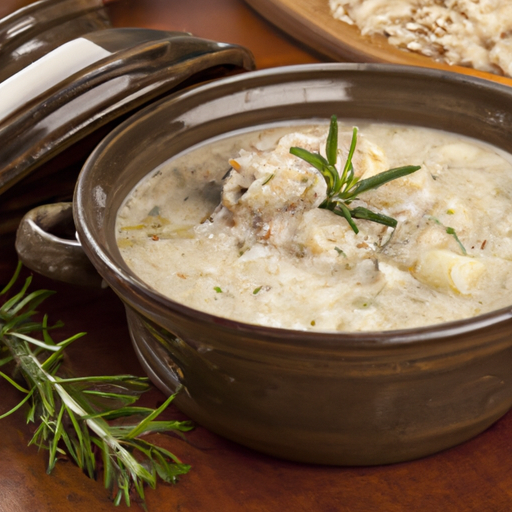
x=225 y=477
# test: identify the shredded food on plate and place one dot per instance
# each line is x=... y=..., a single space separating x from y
x=471 y=33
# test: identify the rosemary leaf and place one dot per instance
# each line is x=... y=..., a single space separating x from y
x=13 y=280
x=19 y=405
x=14 y=383
x=363 y=213
x=332 y=142
x=343 y=211
x=348 y=170
x=319 y=163
x=380 y=179
x=143 y=426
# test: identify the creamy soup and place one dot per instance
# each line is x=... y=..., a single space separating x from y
x=233 y=228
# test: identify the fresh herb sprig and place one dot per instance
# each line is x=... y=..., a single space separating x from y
x=76 y=417
x=345 y=187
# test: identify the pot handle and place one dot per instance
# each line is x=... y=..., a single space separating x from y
x=41 y=246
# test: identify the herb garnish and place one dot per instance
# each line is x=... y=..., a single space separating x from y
x=268 y=179
x=76 y=416
x=344 y=188
x=451 y=231
x=340 y=252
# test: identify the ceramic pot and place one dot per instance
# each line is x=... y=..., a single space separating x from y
x=330 y=398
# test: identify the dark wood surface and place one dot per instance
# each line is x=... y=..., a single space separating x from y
x=225 y=477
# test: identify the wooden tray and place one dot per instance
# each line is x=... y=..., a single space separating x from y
x=310 y=22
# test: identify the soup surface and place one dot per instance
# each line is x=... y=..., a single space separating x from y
x=233 y=228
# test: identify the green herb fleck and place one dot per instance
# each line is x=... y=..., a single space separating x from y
x=340 y=252
x=218 y=289
x=257 y=290
x=344 y=188
x=267 y=180
x=452 y=232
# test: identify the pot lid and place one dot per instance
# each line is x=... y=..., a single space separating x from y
x=34 y=30
x=64 y=83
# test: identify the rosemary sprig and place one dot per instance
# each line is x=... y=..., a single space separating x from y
x=75 y=417
x=344 y=187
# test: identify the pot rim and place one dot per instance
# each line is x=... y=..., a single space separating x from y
x=131 y=288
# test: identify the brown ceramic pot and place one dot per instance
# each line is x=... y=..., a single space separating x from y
x=333 y=398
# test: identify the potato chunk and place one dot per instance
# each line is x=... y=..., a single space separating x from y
x=441 y=268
